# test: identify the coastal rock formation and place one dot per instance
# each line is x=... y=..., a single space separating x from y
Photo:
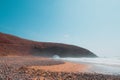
x=12 y=45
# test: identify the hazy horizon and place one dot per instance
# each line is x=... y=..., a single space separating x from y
x=91 y=24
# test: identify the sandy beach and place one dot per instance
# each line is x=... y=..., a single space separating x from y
x=38 y=68
x=66 y=67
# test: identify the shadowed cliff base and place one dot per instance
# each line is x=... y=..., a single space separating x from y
x=15 y=46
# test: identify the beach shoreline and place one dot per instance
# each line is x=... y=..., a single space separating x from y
x=34 y=68
x=59 y=75
x=101 y=68
x=65 y=67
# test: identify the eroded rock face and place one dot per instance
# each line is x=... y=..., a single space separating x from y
x=12 y=45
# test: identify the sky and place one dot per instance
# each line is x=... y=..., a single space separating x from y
x=91 y=24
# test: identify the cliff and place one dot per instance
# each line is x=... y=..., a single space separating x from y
x=12 y=45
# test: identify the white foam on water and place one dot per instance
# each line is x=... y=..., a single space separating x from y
x=56 y=57
x=102 y=65
x=105 y=61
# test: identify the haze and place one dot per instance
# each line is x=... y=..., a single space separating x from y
x=92 y=24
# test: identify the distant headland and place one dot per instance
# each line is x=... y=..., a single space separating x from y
x=16 y=46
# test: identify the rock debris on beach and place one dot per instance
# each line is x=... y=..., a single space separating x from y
x=17 y=68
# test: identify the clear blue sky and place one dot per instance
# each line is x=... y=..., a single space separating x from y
x=92 y=24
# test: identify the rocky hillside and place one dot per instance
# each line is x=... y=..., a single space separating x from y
x=12 y=45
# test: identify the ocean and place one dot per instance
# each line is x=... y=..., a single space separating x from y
x=100 y=65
